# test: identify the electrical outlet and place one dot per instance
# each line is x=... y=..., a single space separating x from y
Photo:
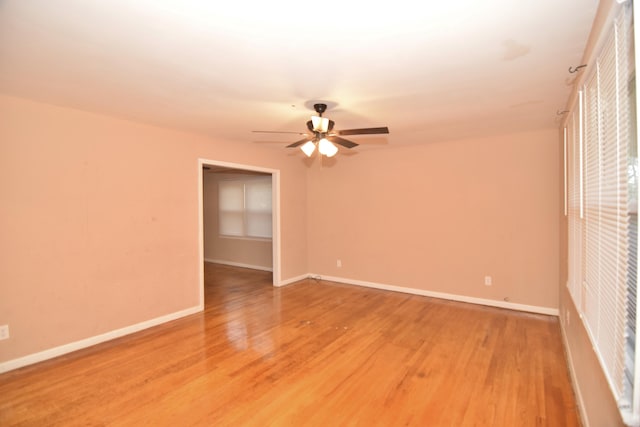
x=488 y=281
x=4 y=332
x=338 y=263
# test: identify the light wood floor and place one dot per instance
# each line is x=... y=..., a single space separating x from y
x=309 y=354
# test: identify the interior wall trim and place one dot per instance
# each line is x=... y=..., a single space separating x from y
x=574 y=378
x=441 y=295
x=88 y=342
x=293 y=280
x=238 y=264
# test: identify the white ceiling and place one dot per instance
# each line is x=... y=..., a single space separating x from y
x=430 y=70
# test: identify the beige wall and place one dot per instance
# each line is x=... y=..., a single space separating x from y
x=99 y=221
x=252 y=253
x=440 y=217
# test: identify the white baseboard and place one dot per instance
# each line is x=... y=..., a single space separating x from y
x=453 y=297
x=88 y=342
x=292 y=280
x=78 y=345
x=574 y=378
x=238 y=264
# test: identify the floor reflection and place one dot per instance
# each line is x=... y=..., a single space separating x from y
x=249 y=322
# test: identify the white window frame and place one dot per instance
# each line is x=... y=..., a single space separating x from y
x=597 y=283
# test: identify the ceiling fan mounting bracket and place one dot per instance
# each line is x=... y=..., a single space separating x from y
x=320 y=108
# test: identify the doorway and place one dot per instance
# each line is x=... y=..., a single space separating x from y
x=231 y=169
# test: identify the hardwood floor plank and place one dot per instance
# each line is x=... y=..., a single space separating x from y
x=315 y=354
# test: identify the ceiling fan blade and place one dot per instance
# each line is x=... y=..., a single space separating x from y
x=341 y=141
x=277 y=131
x=364 y=131
x=298 y=143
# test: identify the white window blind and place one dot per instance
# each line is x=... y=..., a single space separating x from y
x=602 y=245
x=258 y=208
x=231 y=208
x=605 y=242
x=244 y=207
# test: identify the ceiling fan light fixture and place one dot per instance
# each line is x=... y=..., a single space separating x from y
x=322 y=136
x=308 y=148
x=320 y=124
x=327 y=148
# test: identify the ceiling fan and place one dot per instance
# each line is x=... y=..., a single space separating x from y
x=324 y=138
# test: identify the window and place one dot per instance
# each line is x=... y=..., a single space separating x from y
x=602 y=209
x=244 y=208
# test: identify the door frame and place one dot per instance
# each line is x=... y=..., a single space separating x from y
x=275 y=216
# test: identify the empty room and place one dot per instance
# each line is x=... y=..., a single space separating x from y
x=318 y=214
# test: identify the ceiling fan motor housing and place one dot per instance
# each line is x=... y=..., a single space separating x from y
x=320 y=108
